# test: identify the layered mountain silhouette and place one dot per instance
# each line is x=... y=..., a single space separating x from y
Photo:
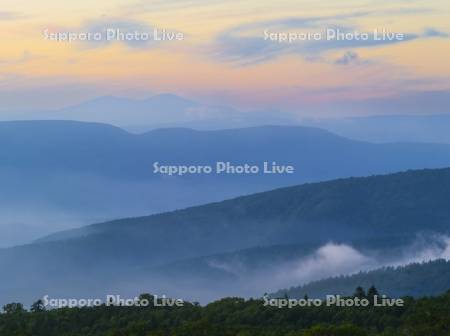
x=338 y=226
x=157 y=111
x=381 y=120
x=61 y=174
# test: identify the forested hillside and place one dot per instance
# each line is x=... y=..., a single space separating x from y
x=231 y=317
x=379 y=216
x=418 y=279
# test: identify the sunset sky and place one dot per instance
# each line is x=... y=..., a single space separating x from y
x=224 y=57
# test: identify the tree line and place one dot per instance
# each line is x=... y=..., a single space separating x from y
x=232 y=317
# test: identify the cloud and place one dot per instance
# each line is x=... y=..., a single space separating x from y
x=103 y=32
x=426 y=249
x=334 y=259
x=331 y=259
x=348 y=58
x=308 y=37
x=431 y=32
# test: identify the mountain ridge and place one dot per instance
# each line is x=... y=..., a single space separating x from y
x=81 y=170
x=385 y=211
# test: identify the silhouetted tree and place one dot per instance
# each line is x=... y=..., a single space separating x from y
x=371 y=293
x=37 y=307
x=360 y=293
x=13 y=308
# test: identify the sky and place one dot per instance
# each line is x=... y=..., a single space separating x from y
x=229 y=53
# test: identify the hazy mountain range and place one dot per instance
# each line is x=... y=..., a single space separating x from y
x=162 y=110
x=243 y=246
x=389 y=128
x=62 y=174
x=421 y=117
